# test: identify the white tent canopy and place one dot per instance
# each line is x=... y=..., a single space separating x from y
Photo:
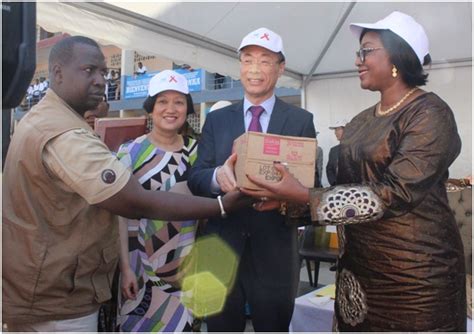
x=206 y=34
x=318 y=45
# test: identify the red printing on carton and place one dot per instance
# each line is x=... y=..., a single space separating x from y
x=271 y=146
x=293 y=143
x=294 y=156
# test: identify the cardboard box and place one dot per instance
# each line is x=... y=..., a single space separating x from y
x=257 y=151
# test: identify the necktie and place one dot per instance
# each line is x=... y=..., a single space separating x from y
x=255 y=122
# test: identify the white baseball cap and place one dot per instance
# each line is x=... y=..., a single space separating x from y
x=338 y=123
x=265 y=38
x=167 y=80
x=402 y=25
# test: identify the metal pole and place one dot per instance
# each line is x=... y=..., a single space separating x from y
x=328 y=43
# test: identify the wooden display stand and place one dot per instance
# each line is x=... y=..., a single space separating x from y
x=116 y=131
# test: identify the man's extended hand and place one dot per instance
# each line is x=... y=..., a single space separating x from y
x=225 y=174
x=267 y=205
x=235 y=200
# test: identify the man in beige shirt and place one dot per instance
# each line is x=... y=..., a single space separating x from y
x=62 y=190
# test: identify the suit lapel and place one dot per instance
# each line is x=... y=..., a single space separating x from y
x=278 y=118
x=237 y=124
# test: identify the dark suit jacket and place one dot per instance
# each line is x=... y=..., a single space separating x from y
x=273 y=244
x=331 y=167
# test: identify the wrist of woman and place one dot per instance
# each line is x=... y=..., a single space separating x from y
x=303 y=195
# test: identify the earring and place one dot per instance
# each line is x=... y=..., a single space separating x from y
x=394 y=72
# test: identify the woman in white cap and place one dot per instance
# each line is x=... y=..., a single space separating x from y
x=401 y=264
x=152 y=250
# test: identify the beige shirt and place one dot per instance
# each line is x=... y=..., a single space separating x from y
x=65 y=248
x=88 y=176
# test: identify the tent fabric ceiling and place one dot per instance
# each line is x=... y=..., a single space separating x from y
x=206 y=34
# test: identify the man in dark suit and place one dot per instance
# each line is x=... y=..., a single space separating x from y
x=268 y=272
x=319 y=165
x=331 y=167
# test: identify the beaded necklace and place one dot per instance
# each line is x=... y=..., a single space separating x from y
x=396 y=105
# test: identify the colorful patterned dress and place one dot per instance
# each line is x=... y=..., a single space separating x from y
x=157 y=248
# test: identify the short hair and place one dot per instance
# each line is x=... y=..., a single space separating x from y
x=62 y=51
x=403 y=57
x=149 y=104
x=281 y=57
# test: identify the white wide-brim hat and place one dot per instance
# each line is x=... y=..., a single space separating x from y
x=167 y=80
x=265 y=38
x=402 y=25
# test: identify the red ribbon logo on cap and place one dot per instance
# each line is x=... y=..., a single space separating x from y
x=172 y=79
x=265 y=36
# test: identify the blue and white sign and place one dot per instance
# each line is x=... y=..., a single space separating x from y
x=194 y=79
x=136 y=86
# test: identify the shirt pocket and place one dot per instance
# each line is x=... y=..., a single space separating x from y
x=104 y=274
x=94 y=274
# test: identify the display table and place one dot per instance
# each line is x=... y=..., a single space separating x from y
x=315 y=314
x=312 y=314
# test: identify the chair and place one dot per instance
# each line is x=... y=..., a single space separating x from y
x=316 y=251
x=460 y=201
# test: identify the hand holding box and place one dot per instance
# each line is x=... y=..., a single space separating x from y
x=256 y=153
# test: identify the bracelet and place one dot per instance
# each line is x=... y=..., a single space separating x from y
x=282 y=209
x=223 y=213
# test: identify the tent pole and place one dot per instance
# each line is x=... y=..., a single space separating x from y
x=123 y=15
x=328 y=43
x=303 y=96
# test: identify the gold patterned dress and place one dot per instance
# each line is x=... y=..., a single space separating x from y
x=401 y=263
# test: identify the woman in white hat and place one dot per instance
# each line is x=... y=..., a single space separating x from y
x=152 y=250
x=401 y=264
